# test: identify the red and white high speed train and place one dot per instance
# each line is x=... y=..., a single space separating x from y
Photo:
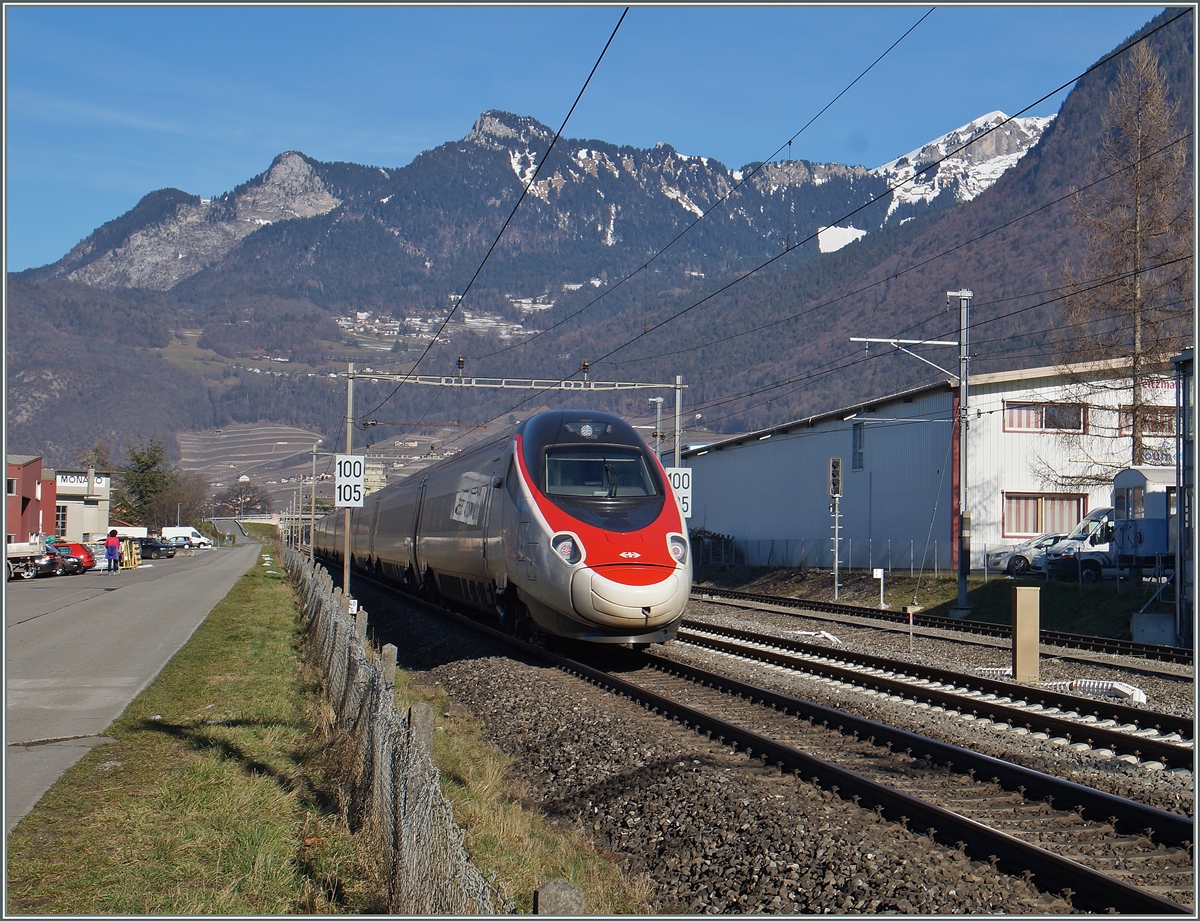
x=567 y=526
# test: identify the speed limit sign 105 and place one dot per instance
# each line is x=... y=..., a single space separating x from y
x=348 y=480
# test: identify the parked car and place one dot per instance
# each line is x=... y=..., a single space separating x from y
x=79 y=550
x=50 y=563
x=182 y=543
x=71 y=564
x=1021 y=559
x=155 y=549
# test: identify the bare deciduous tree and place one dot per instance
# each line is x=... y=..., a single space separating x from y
x=1130 y=301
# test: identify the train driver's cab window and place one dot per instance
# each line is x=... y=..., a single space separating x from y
x=597 y=472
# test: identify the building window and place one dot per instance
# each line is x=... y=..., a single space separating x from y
x=11 y=487
x=856 y=455
x=1157 y=421
x=1044 y=417
x=60 y=521
x=1030 y=514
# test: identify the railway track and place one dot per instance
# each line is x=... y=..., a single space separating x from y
x=1142 y=734
x=1099 y=851
x=1103 y=852
x=1153 y=652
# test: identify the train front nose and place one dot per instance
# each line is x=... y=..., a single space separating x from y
x=630 y=595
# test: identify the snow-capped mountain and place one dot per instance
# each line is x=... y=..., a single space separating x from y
x=980 y=151
x=972 y=157
x=593 y=203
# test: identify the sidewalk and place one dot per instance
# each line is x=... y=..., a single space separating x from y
x=78 y=649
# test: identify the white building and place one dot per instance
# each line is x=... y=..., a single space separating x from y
x=81 y=504
x=1041 y=452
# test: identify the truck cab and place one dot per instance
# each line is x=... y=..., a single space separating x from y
x=1087 y=552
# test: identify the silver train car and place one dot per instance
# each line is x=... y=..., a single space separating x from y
x=566 y=526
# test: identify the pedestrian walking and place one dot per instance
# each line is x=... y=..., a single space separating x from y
x=112 y=551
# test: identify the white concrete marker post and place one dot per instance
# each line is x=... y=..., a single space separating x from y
x=878 y=574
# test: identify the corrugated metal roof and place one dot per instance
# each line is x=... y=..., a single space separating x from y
x=810 y=421
x=21 y=459
x=999 y=377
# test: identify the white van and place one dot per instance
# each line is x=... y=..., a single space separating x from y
x=197 y=539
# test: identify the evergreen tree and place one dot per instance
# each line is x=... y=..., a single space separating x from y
x=142 y=480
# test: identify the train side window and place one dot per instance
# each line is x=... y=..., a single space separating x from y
x=510 y=480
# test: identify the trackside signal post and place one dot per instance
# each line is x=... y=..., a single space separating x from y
x=835 y=493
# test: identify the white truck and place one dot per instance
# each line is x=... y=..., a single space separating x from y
x=197 y=539
x=1135 y=534
x=22 y=558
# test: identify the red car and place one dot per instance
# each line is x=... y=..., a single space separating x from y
x=79 y=550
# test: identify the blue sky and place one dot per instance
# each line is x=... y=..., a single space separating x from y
x=105 y=104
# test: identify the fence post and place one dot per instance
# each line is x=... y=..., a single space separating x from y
x=389 y=666
x=849 y=553
x=910 y=558
x=935 y=560
x=360 y=623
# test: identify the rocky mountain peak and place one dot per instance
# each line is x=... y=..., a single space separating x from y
x=496 y=130
x=994 y=144
x=186 y=234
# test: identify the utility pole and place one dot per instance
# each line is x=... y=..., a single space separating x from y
x=678 y=417
x=312 y=509
x=963 y=608
x=658 y=401
x=349 y=450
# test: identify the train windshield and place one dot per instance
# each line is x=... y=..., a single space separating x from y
x=597 y=471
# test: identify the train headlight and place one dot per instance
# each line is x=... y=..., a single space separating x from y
x=567 y=547
x=678 y=547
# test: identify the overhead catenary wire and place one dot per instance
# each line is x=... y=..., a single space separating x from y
x=720 y=201
x=1102 y=62
x=524 y=192
x=727 y=337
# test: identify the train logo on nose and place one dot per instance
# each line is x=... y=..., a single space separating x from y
x=631 y=554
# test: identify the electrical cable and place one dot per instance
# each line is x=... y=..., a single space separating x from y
x=890 y=278
x=720 y=201
x=512 y=214
x=1102 y=62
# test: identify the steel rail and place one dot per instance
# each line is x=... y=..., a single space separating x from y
x=1156 y=651
x=1090 y=888
x=1101 y=709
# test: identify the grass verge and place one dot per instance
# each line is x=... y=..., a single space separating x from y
x=221 y=793
x=213 y=798
x=515 y=844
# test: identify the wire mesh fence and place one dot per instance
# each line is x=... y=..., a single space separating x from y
x=908 y=556
x=392 y=791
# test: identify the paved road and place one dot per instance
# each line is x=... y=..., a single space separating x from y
x=78 y=649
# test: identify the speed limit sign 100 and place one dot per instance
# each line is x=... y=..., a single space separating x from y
x=349 y=479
